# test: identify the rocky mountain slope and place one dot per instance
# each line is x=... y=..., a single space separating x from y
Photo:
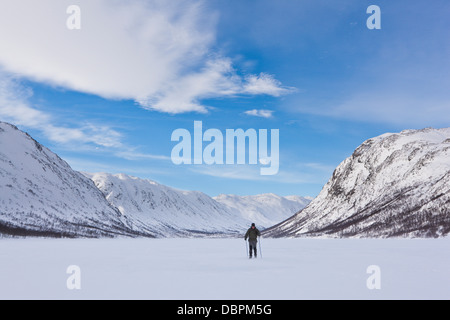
x=171 y=212
x=395 y=185
x=167 y=211
x=40 y=195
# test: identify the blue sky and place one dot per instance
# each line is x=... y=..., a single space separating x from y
x=107 y=97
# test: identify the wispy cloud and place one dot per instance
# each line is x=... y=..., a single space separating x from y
x=133 y=155
x=287 y=174
x=86 y=165
x=265 y=84
x=16 y=108
x=260 y=113
x=401 y=81
x=413 y=108
x=402 y=108
x=159 y=53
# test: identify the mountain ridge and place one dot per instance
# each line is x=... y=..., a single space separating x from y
x=41 y=195
x=180 y=212
x=394 y=185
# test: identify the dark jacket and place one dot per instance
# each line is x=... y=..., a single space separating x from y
x=252 y=234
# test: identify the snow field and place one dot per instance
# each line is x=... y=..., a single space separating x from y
x=218 y=269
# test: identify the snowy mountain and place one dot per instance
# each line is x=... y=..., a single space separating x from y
x=265 y=210
x=40 y=195
x=167 y=211
x=171 y=212
x=395 y=185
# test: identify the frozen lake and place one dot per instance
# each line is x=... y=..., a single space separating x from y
x=218 y=269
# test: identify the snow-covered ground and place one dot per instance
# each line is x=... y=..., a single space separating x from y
x=218 y=269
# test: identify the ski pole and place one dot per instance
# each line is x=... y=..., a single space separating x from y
x=246 y=247
x=260 y=251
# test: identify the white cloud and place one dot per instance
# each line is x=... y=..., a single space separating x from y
x=265 y=84
x=15 y=108
x=260 y=113
x=217 y=78
x=133 y=155
x=158 y=53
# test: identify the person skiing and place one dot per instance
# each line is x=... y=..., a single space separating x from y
x=252 y=236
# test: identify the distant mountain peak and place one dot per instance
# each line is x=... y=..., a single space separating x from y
x=40 y=195
x=168 y=211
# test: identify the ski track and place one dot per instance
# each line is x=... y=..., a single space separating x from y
x=218 y=269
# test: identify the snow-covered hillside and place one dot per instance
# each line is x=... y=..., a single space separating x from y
x=265 y=210
x=40 y=195
x=392 y=185
x=167 y=211
x=171 y=212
